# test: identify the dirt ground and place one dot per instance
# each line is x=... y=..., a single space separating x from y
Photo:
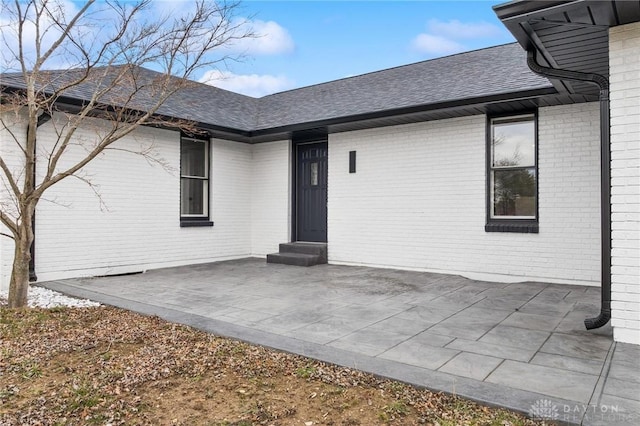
x=106 y=366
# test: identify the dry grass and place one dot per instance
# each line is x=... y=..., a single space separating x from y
x=104 y=365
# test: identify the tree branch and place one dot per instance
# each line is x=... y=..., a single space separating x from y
x=112 y=88
x=66 y=30
x=9 y=176
x=96 y=192
x=6 y=221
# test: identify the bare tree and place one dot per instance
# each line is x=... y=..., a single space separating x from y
x=103 y=48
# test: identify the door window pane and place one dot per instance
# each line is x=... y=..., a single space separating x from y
x=314 y=174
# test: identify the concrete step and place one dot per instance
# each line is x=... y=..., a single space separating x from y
x=297 y=259
x=319 y=249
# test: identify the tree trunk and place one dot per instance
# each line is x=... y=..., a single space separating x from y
x=19 y=284
x=19 y=280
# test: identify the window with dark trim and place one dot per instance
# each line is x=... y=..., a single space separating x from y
x=194 y=182
x=512 y=174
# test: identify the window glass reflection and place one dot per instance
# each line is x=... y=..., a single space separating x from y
x=513 y=144
x=514 y=193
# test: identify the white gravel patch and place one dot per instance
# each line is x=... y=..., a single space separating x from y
x=39 y=297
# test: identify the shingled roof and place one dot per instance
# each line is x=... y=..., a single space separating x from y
x=465 y=76
x=470 y=75
x=196 y=101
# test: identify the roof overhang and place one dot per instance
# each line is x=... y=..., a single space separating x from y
x=571 y=35
x=496 y=104
x=566 y=34
x=504 y=103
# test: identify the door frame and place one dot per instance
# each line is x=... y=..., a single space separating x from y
x=298 y=140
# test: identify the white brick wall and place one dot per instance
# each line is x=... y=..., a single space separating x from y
x=140 y=230
x=138 y=227
x=418 y=200
x=270 y=208
x=10 y=155
x=624 y=63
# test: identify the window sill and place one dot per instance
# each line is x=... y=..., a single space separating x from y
x=195 y=223
x=516 y=227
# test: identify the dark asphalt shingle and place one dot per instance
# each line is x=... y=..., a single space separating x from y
x=491 y=71
x=197 y=101
x=485 y=72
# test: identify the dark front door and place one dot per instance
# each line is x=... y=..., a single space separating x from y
x=311 y=192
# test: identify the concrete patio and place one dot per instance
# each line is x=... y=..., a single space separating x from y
x=522 y=346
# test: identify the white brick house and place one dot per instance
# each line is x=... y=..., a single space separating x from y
x=624 y=62
x=406 y=175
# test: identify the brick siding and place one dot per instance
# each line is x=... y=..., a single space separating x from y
x=418 y=200
x=624 y=63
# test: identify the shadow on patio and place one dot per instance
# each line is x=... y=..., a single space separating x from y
x=522 y=346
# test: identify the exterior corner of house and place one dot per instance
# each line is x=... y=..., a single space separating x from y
x=624 y=59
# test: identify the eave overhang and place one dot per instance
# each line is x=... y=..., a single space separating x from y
x=494 y=104
x=71 y=105
x=501 y=103
x=570 y=35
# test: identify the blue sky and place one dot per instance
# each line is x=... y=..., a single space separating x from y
x=301 y=42
x=309 y=42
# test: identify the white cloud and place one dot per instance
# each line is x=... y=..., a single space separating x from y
x=458 y=30
x=270 y=39
x=99 y=21
x=61 y=10
x=170 y=8
x=436 y=45
x=445 y=38
x=248 y=84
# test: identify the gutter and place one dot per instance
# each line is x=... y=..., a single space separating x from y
x=605 y=178
x=43 y=118
x=72 y=105
x=405 y=111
